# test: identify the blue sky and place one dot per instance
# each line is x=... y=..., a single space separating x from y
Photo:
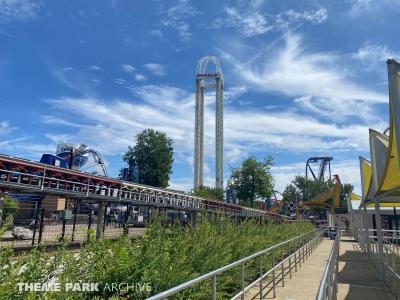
x=302 y=78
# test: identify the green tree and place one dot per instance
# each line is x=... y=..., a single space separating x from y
x=346 y=190
x=153 y=154
x=252 y=180
x=209 y=192
x=290 y=190
x=307 y=188
x=8 y=210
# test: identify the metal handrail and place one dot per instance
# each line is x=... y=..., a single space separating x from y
x=314 y=233
x=328 y=285
x=386 y=262
x=97 y=191
x=373 y=245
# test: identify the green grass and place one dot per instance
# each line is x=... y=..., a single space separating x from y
x=165 y=257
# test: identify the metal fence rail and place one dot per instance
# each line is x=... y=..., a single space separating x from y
x=390 y=257
x=328 y=286
x=32 y=224
x=24 y=176
x=298 y=249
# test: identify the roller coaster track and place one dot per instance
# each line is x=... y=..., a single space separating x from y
x=19 y=175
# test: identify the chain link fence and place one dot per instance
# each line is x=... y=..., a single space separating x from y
x=51 y=221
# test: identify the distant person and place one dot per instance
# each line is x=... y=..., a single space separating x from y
x=115 y=219
x=53 y=218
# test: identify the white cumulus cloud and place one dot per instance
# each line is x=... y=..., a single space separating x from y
x=317 y=79
x=21 y=10
x=128 y=68
x=156 y=69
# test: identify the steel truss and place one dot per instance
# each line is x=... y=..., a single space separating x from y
x=20 y=175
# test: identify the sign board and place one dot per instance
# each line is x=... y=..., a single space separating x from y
x=67 y=214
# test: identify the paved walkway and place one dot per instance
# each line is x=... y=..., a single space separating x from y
x=305 y=283
x=357 y=276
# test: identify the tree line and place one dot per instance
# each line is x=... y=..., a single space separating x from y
x=252 y=181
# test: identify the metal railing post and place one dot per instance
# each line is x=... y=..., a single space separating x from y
x=273 y=273
x=74 y=222
x=299 y=252
x=282 y=266
x=295 y=255
x=242 y=280
x=64 y=219
x=306 y=247
x=89 y=225
x=41 y=225
x=38 y=207
x=261 y=274
x=214 y=287
x=290 y=262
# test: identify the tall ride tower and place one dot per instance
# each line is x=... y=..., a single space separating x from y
x=202 y=82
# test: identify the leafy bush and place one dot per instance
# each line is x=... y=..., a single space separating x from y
x=165 y=257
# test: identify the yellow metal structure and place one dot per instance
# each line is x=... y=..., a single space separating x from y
x=322 y=199
x=381 y=176
x=354 y=197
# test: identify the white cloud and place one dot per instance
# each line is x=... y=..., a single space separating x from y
x=373 y=56
x=291 y=17
x=186 y=183
x=315 y=78
x=128 y=68
x=156 y=32
x=110 y=126
x=156 y=69
x=23 y=147
x=284 y=174
x=59 y=138
x=47 y=119
x=370 y=8
x=4 y=127
x=120 y=81
x=95 y=68
x=74 y=79
x=139 y=77
x=250 y=21
x=358 y=5
x=21 y=10
x=176 y=18
x=337 y=109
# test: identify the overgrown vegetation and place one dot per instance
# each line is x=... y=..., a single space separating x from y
x=165 y=257
x=210 y=193
x=7 y=214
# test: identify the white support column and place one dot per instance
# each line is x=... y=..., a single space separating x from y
x=219 y=134
x=360 y=233
x=352 y=226
x=366 y=227
x=199 y=135
x=380 y=242
x=331 y=217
